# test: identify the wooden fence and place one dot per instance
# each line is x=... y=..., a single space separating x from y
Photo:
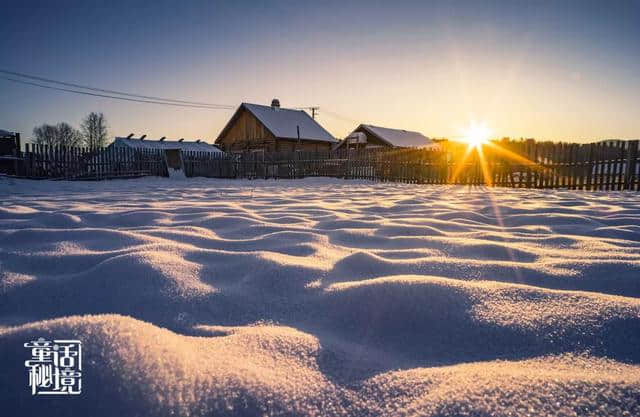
x=611 y=165
x=60 y=162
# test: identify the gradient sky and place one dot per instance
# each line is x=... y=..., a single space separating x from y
x=558 y=70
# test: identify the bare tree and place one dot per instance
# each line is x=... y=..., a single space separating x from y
x=94 y=130
x=45 y=135
x=68 y=135
x=62 y=134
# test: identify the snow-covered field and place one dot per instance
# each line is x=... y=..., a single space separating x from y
x=322 y=297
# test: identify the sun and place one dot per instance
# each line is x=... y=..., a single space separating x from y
x=476 y=134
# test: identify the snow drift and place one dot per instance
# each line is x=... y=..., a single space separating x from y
x=323 y=297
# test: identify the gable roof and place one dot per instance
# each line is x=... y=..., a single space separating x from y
x=398 y=137
x=165 y=144
x=283 y=123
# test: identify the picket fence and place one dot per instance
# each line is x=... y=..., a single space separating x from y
x=611 y=165
x=60 y=162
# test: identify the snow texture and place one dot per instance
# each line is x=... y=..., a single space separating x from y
x=283 y=123
x=176 y=173
x=322 y=297
x=400 y=138
x=165 y=144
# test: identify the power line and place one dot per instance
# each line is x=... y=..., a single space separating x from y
x=121 y=93
x=132 y=97
x=314 y=110
x=340 y=117
x=113 y=97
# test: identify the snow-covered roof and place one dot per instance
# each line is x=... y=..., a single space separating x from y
x=398 y=137
x=5 y=133
x=166 y=144
x=283 y=123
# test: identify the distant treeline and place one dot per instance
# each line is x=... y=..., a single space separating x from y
x=92 y=134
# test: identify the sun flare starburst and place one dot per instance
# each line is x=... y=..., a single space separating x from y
x=476 y=134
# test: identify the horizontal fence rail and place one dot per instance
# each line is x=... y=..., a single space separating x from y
x=613 y=165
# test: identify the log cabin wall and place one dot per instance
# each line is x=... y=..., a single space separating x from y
x=247 y=133
x=286 y=145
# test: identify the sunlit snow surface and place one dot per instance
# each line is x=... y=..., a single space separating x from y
x=322 y=297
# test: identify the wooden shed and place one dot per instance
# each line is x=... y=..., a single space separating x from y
x=172 y=150
x=274 y=129
x=369 y=136
x=165 y=144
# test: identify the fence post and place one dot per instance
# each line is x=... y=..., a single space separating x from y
x=631 y=162
x=589 y=168
x=25 y=162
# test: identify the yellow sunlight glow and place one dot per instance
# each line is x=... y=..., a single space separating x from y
x=476 y=134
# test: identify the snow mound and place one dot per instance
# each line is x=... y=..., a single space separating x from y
x=140 y=369
x=323 y=297
x=136 y=368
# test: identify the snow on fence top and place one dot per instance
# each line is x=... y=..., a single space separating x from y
x=195 y=146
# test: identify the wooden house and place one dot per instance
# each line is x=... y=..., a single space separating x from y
x=254 y=127
x=369 y=136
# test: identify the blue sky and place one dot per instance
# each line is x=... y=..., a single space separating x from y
x=552 y=70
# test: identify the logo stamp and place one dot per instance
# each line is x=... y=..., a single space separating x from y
x=55 y=367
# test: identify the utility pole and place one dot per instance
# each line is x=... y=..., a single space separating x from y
x=314 y=110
